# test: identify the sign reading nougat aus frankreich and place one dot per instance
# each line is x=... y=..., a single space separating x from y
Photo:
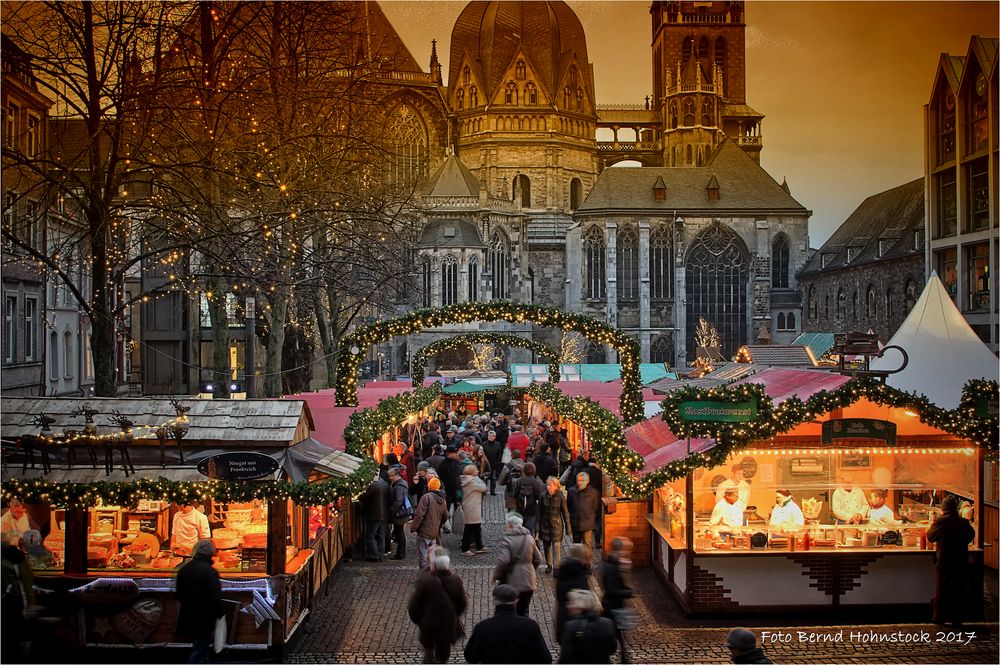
x=238 y=466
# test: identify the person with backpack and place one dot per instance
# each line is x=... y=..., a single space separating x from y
x=375 y=508
x=588 y=637
x=616 y=588
x=473 y=489
x=506 y=637
x=428 y=518
x=528 y=491
x=436 y=606
x=573 y=573
x=517 y=560
x=510 y=474
x=400 y=509
x=545 y=464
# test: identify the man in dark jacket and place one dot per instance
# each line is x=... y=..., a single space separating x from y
x=616 y=589
x=398 y=496
x=436 y=458
x=503 y=431
x=430 y=516
x=506 y=637
x=545 y=464
x=449 y=473
x=432 y=439
x=951 y=533
x=743 y=648
x=494 y=455
x=588 y=637
x=437 y=602
x=375 y=508
x=528 y=491
x=553 y=522
x=199 y=594
x=573 y=573
x=584 y=506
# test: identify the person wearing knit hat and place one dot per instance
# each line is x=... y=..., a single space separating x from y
x=742 y=645
x=786 y=515
x=434 y=484
x=430 y=514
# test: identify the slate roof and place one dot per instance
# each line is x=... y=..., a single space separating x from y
x=819 y=343
x=743 y=185
x=450 y=233
x=780 y=355
x=453 y=178
x=893 y=215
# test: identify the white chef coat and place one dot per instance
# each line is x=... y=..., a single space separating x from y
x=726 y=514
x=882 y=516
x=787 y=516
x=13 y=528
x=190 y=528
x=848 y=503
x=743 y=487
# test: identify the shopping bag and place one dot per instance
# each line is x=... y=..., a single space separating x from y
x=458 y=520
x=219 y=643
x=506 y=455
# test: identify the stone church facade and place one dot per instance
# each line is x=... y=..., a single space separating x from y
x=519 y=199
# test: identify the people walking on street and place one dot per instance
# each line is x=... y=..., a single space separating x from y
x=517 y=561
x=18 y=606
x=428 y=518
x=449 y=471
x=518 y=440
x=399 y=513
x=199 y=594
x=420 y=485
x=409 y=463
x=473 y=490
x=481 y=461
x=616 y=589
x=573 y=573
x=375 y=508
x=528 y=491
x=545 y=464
x=513 y=470
x=584 y=504
x=494 y=454
x=553 y=522
x=742 y=645
x=436 y=606
x=588 y=636
x=951 y=534
x=506 y=637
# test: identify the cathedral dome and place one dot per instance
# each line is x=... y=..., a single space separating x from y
x=489 y=35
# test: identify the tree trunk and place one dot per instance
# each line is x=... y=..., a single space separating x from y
x=336 y=333
x=275 y=343
x=328 y=346
x=219 y=315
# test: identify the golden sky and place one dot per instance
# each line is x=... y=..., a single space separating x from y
x=842 y=84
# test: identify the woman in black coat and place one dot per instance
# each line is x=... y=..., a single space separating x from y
x=573 y=573
x=588 y=637
x=437 y=603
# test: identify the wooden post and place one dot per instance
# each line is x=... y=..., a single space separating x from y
x=75 y=553
x=689 y=536
x=277 y=519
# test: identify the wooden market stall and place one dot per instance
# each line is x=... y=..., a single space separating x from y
x=116 y=563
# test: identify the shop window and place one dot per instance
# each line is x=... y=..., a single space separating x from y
x=978 y=128
x=670 y=512
x=37 y=530
x=660 y=263
x=977 y=202
x=779 y=262
x=449 y=281
x=628 y=264
x=947 y=213
x=595 y=257
x=948 y=271
x=978 y=278
x=946 y=127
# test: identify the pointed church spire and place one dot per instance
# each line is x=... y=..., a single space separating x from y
x=435 y=63
x=784 y=185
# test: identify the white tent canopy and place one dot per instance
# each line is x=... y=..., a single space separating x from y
x=944 y=352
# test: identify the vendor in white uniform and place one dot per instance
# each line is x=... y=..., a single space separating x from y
x=850 y=506
x=14 y=523
x=880 y=514
x=190 y=526
x=738 y=482
x=786 y=515
x=727 y=513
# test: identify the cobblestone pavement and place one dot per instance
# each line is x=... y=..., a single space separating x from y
x=363 y=619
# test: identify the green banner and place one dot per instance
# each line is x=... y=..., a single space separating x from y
x=720 y=412
x=859 y=428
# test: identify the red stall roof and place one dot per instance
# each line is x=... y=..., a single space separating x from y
x=781 y=383
x=607 y=394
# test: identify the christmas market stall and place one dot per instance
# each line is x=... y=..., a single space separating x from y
x=108 y=496
x=803 y=490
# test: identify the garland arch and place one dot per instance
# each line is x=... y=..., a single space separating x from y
x=352 y=346
x=418 y=364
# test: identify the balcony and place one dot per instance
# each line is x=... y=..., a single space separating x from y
x=748 y=140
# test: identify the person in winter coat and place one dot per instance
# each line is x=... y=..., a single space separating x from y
x=503 y=432
x=506 y=637
x=584 y=505
x=428 y=518
x=437 y=602
x=398 y=496
x=517 y=560
x=449 y=472
x=573 y=573
x=494 y=454
x=951 y=534
x=481 y=461
x=436 y=458
x=18 y=606
x=742 y=645
x=473 y=489
x=199 y=594
x=375 y=508
x=432 y=439
x=511 y=472
x=409 y=463
x=553 y=522
x=588 y=636
x=518 y=440
x=616 y=588
x=545 y=464
x=528 y=491
x=420 y=483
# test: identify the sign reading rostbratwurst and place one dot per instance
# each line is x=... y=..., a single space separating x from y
x=722 y=412
x=238 y=466
x=859 y=428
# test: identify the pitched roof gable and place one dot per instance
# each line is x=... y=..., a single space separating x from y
x=453 y=178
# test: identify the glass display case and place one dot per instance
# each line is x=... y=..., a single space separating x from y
x=669 y=512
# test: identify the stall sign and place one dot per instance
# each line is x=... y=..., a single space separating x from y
x=859 y=428
x=238 y=466
x=721 y=412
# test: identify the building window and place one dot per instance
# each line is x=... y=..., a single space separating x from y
x=841 y=303
x=911 y=295
x=579 y=100
x=31 y=233
x=68 y=355
x=978 y=278
x=53 y=356
x=88 y=358
x=888 y=303
x=946 y=128
x=499 y=263
x=531 y=94
x=703 y=49
x=978 y=129
x=826 y=307
x=688 y=115
x=662 y=350
x=473 y=294
x=717 y=274
x=852 y=253
x=978 y=202
x=628 y=264
x=522 y=190
x=786 y=322
x=779 y=262
x=884 y=246
x=596 y=354
x=466 y=76
x=706 y=114
x=918 y=239
x=575 y=193
x=781 y=321
x=720 y=54
x=460 y=99
x=10 y=130
x=947 y=205
x=872 y=311
x=425 y=287
x=660 y=263
x=9 y=329
x=790 y=321
x=948 y=271
x=854 y=305
x=573 y=76
x=811 y=303
x=473 y=97
x=510 y=94
x=30 y=329
x=449 y=281
x=408 y=140
x=33 y=137
x=595 y=256
x=520 y=70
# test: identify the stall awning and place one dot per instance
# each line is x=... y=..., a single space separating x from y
x=467 y=386
x=657 y=444
x=780 y=383
x=311 y=455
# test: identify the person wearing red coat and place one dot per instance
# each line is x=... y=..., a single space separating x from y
x=518 y=440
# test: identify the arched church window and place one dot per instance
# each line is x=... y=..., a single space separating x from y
x=781 y=321
x=530 y=94
x=660 y=263
x=911 y=295
x=473 y=294
x=706 y=114
x=826 y=307
x=408 y=141
x=779 y=262
x=628 y=263
x=686 y=51
x=595 y=263
x=703 y=49
x=566 y=99
x=425 y=286
x=510 y=94
x=690 y=155
x=717 y=275
x=811 y=303
x=854 y=305
x=662 y=350
x=572 y=76
x=520 y=70
x=499 y=265
x=460 y=99
x=673 y=115
x=575 y=193
x=688 y=112
x=888 y=303
x=522 y=189
x=466 y=76
x=790 y=321
x=720 y=53
x=473 y=97
x=872 y=310
x=596 y=355
x=841 y=303
x=579 y=99
x=449 y=280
